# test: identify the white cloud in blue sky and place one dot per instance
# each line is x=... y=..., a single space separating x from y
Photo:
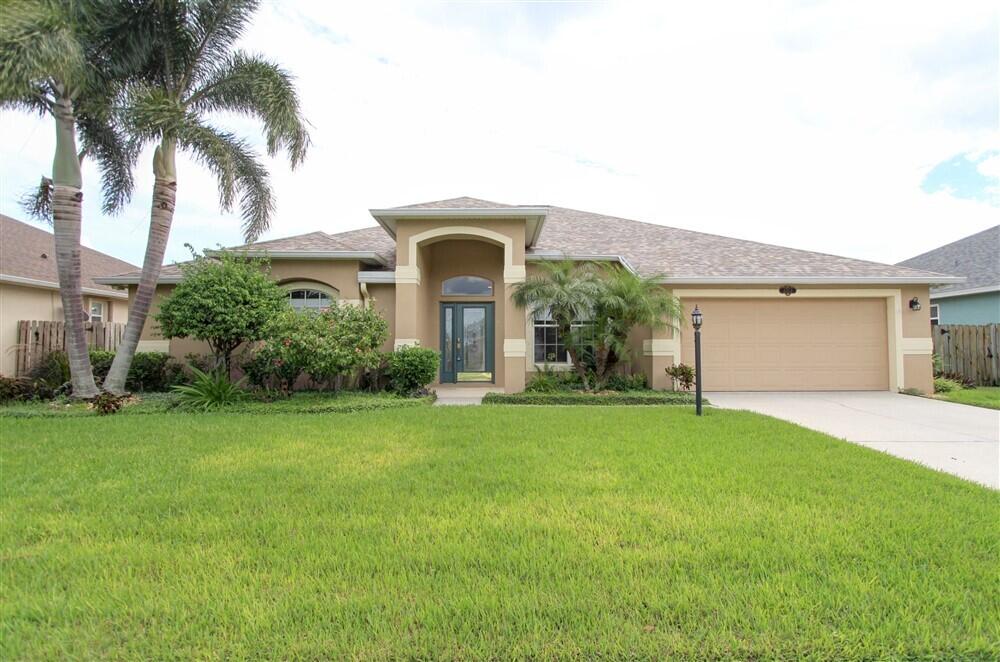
x=967 y=176
x=822 y=125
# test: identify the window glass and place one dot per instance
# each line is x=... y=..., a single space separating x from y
x=467 y=286
x=550 y=347
x=96 y=311
x=304 y=299
x=934 y=314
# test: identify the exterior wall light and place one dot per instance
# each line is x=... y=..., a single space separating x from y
x=787 y=290
x=915 y=304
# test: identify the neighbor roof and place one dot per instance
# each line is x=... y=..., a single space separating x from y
x=977 y=257
x=28 y=257
x=680 y=256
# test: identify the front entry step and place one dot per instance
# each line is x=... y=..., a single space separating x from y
x=462 y=395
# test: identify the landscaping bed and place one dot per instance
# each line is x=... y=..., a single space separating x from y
x=485 y=533
x=606 y=398
x=169 y=403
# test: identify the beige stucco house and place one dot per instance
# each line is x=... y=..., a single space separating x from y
x=442 y=274
x=29 y=284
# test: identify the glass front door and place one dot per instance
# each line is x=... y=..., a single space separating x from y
x=467 y=342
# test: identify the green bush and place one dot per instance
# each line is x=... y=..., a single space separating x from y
x=634 y=382
x=210 y=390
x=945 y=385
x=100 y=361
x=52 y=370
x=411 y=369
x=586 y=398
x=550 y=381
x=149 y=372
x=22 y=389
x=682 y=375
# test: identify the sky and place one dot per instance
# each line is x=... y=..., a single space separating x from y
x=865 y=129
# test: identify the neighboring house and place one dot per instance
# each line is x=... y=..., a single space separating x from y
x=442 y=274
x=29 y=284
x=977 y=300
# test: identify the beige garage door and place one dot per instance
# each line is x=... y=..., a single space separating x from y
x=791 y=344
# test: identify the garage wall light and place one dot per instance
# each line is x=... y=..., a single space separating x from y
x=787 y=290
x=915 y=304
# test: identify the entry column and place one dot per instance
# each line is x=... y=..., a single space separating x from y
x=514 y=345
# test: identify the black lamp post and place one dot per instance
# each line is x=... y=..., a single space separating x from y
x=696 y=323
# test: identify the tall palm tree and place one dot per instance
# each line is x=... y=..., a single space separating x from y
x=55 y=60
x=193 y=71
x=567 y=291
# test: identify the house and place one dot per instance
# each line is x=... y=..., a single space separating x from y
x=977 y=300
x=442 y=274
x=29 y=284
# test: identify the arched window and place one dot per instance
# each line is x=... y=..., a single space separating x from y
x=309 y=296
x=467 y=286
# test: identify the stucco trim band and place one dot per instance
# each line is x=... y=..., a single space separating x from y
x=405 y=342
x=662 y=346
x=918 y=346
x=514 y=348
x=153 y=346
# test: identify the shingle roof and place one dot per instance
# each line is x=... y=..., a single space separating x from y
x=29 y=252
x=977 y=257
x=650 y=249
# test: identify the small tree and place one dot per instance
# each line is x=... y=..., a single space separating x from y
x=224 y=301
x=567 y=291
x=625 y=301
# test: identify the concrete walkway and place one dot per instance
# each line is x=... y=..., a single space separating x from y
x=461 y=394
x=960 y=439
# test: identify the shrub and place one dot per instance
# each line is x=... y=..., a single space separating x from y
x=945 y=385
x=589 y=398
x=225 y=301
x=634 y=382
x=411 y=369
x=108 y=403
x=100 y=361
x=682 y=375
x=209 y=390
x=19 y=389
x=550 y=381
x=52 y=370
x=911 y=391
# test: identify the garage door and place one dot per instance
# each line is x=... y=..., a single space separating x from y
x=791 y=344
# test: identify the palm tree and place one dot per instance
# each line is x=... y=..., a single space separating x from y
x=55 y=60
x=627 y=301
x=567 y=291
x=192 y=72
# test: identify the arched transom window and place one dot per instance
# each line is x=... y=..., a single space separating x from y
x=309 y=296
x=467 y=286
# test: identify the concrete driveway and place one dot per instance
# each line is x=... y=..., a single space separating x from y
x=960 y=439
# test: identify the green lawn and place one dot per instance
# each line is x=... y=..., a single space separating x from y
x=569 y=532
x=981 y=396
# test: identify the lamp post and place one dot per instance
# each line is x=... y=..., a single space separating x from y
x=696 y=323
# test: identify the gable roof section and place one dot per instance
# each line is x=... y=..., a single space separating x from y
x=28 y=257
x=977 y=257
x=679 y=256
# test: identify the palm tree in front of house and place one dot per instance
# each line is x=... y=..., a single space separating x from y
x=56 y=59
x=194 y=71
x=567 y=291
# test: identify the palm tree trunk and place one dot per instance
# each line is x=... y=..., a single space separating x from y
x=67 y=202
x=160 y=218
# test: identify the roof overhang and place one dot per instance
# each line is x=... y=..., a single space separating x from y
x=367 y=257
x=134 y=280
x=376 y=276
x=965 y=292
x=812 y=280
x=49 y=285
x=534 y=217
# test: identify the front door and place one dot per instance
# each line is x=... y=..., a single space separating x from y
x=467 y=342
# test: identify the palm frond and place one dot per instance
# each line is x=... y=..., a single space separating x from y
x=212 y=27
x=104 y=141
x=38 y=41
x=239 y=172
x=248 y=84
x=37 y=203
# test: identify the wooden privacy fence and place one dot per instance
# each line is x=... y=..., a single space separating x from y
x=35 y=339
x=971 y=351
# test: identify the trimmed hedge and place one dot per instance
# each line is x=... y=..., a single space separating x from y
x=582 y=398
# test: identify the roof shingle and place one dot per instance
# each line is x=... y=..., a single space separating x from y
x=29 y=252
x=977 y=257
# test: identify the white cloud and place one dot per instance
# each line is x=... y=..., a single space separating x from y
x=810 y=125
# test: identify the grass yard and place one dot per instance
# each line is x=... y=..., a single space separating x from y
x=472 y=532
x=981 y=396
